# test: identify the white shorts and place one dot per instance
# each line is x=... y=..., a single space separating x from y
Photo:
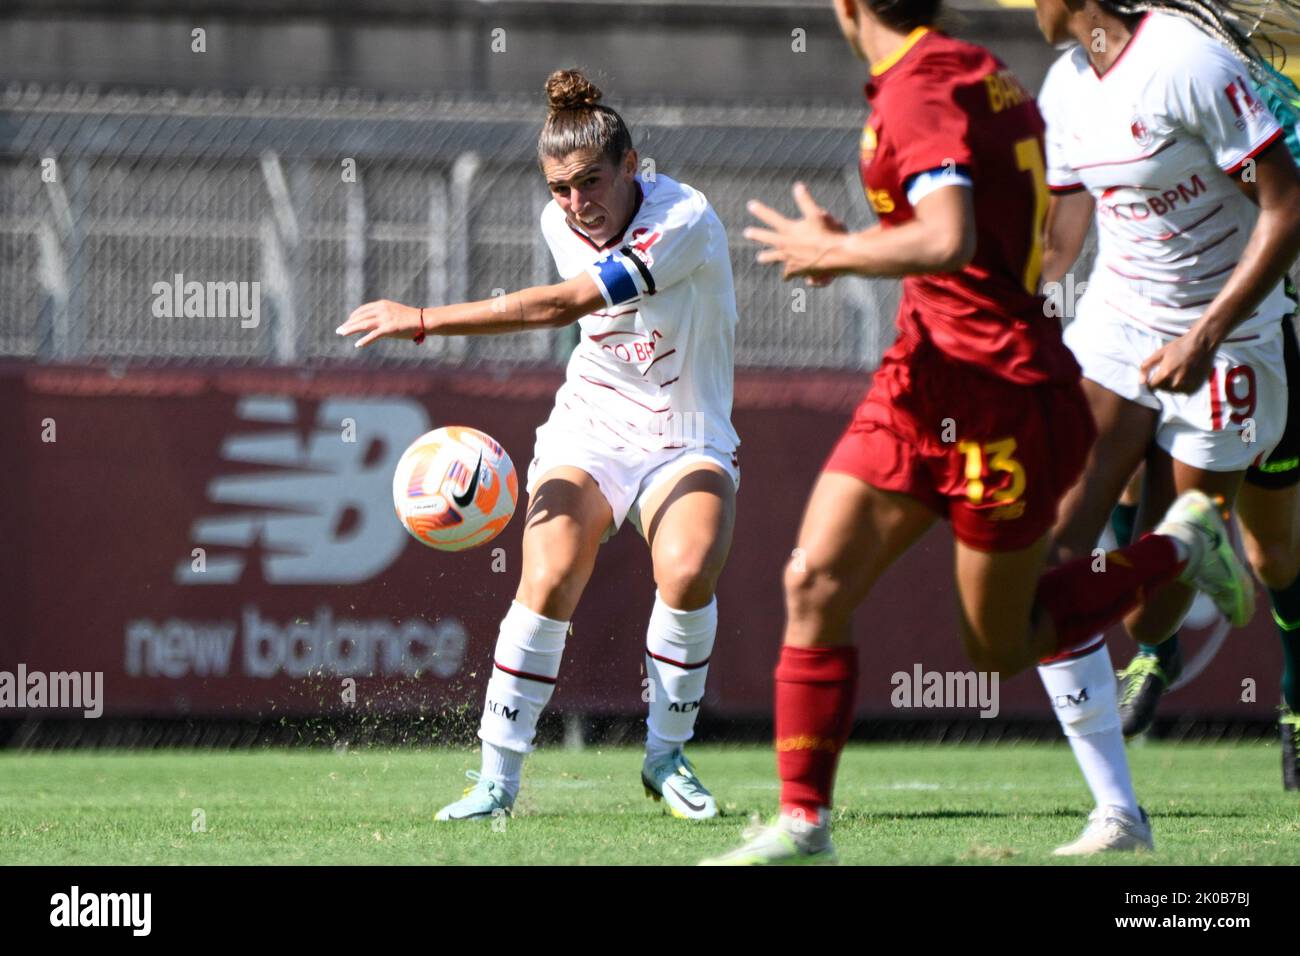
x=627 y=477
x=1231 y=422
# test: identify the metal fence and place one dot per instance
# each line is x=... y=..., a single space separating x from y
x=109 y=201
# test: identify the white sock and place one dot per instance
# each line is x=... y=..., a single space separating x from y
x=678 y=646
x=525 y=666
x=1082 y=691
x=1104 y=764
x=656 y=747
x=503 y=767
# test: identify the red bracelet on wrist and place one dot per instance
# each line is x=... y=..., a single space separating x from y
x=420 y=338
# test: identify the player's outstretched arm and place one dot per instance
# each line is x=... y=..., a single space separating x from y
x=539 y=307
x=940 y=239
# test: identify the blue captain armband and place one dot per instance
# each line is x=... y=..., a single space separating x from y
x=922 y=184
x=619 y=276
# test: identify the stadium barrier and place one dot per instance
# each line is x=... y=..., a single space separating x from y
x=311 y=204
x=220 y=543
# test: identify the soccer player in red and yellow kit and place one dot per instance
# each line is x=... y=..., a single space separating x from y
x=976 y=414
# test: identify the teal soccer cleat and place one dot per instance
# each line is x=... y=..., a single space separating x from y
x=672 y=779
x=484 y=800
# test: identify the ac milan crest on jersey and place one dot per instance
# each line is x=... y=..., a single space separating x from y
x=1141 y=132
x=641 y=240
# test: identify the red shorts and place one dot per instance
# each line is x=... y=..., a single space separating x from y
x=992 y=456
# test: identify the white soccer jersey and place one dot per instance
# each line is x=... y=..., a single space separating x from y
x=1151 y=140
x=654 y=369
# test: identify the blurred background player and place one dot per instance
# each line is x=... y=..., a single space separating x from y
x=1266 y=513
x=641 y=430
x=1183 y=334
x=976 y=414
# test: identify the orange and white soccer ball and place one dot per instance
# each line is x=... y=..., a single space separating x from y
x=455 y=488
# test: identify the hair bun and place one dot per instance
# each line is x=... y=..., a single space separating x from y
x=569 y=89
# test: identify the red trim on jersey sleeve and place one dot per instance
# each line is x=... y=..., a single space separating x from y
x=1277 y=134
x=1065 y=190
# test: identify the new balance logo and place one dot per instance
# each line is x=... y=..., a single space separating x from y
x=501 y=710
x=324 y=516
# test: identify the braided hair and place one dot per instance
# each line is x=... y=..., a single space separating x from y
x=1243 y=26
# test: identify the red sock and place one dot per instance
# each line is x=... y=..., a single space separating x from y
x=1082 y=602
x=815 y=693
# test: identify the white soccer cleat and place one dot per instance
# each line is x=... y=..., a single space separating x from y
x=673 y=780
x=1111 y=829
x=787 y=842
x=1195 y=521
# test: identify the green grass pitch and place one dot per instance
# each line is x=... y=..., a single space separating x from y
x=931 y=804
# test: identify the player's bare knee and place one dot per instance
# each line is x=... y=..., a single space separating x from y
x=551 y=585
x=686 y=578
x=806 y=585
x=811 y=592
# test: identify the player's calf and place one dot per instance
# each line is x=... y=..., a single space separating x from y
x=1275 y=564
x=678 y=647
x=525 y=666
x=1081 y=689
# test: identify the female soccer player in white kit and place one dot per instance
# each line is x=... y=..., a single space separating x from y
x=641 y=430
x=1154 y=127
